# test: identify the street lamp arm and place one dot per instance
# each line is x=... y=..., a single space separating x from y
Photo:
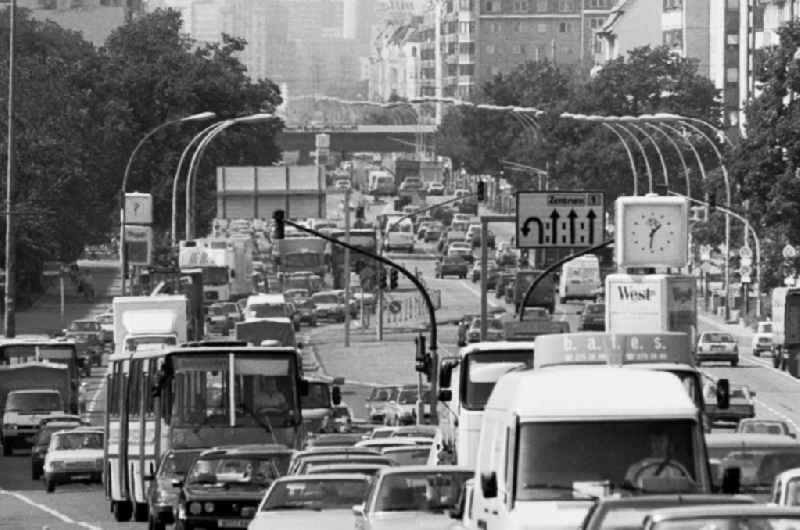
x=630 y=156
x=674 y=145
x=136 y=150
x=192 y=172
x=644 y=154
x=658 y=151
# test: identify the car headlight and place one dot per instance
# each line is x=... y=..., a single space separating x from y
x=55 y=465
x=195 y=508
x=10 y=426
x=248 y=511
x=735 y=348
x=209 y=507
x=98 y=463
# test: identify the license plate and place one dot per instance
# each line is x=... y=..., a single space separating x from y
x=30 y=439
x=232 y=523
x=717 y=348
x=81 y=477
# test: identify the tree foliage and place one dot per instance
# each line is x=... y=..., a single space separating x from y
x=81 y=110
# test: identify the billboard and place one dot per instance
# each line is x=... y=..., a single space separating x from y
x=138 y=244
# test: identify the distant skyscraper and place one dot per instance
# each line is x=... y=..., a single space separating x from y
x=94 y=19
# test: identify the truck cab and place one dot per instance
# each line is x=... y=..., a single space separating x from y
x=23 y=411
x=318 y=404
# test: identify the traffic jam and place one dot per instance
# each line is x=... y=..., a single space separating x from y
x=209 y=408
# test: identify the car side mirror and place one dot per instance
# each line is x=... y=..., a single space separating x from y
x=731 y=480
x=752 y=393
x=445 y=375
x=456 y=512
x=445 y=395
x=489 y=485
x=303 y=387
x=336 y=395
x=358 y=510
x=149 y=477
x=177 y=483
x=723 y=394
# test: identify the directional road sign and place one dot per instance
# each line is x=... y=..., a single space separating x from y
x=745 y=252
x=560 y=219
x=745 y=278
x=744 y=270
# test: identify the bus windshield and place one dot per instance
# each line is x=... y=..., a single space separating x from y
x=261 y=390
x=215 y=275
x=483 y=369
x=24 y=353
x=319 y=396
x=304 y=260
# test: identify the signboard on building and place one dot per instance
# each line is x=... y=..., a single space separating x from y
x=560 y=219
x=138 y=244
x=138 y=209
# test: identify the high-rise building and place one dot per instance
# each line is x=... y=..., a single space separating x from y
x=396 y=62
x=94 y=19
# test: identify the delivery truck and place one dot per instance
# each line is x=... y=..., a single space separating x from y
x=786 y=328
x=651 y=303
x=149 y=322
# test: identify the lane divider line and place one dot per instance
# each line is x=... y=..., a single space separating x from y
x=47 y=509
x=477 y=293
x=92 y=405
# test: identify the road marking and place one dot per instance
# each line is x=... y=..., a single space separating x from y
x=96 y=396
x=47 y=509
x=477 y=293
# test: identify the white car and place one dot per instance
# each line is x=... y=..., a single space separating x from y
x=462 y=249
x=342 y=184
x=74 y=455
x=763 y=339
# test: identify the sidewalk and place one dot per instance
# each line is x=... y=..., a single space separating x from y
x=739 y=331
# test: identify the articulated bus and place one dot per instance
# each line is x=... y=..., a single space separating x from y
x=193 y=397
x=22 y=351
x=470 y=378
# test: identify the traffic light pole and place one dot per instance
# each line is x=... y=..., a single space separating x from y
x=347 y=268
x=279 y=217
x=553 y=267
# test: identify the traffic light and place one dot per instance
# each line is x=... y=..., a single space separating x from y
x=423 y=360
x=393 y=278
x=382 y=278
x=699 y=214
x=481 y=192
x=278 y=216
x=711 y=199
x=359 y=212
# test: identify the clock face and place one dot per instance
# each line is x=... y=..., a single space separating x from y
x=654 y=234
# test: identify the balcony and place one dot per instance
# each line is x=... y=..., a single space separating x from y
x=466 y=58
x=464 y=80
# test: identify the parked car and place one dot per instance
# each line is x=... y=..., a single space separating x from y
x=452 y=266
x=302 y=501
x=74 y=455
x=226 y=476
x=42 y=442
x=593 y=318
x=435 y=188
x=717 y=347
x=763 y=339
x=162 y=496
x=759 y=426
x=87 y=336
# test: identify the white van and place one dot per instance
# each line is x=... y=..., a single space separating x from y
x=267 y=306
x=555 y=439
x=580 y=279
x=399 y=236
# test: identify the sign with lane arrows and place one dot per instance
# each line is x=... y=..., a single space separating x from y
x=560 y=219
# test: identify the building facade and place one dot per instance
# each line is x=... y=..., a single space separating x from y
x=94 y=19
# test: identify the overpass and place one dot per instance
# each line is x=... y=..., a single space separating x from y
x=362 y=138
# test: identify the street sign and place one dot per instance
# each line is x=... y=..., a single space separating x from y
x=560 y=219
x=745 y=278
x=138 y=244
x=705 y=252
x=746 y=261
x=355 y=280
x=789 y=252
x=745 y=253
x=744 y=270
x=395 y=307
x=138 y=209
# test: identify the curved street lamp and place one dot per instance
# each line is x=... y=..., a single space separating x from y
x=677 y=149
x=617 y=123
x=202 y=116
x=632 y=122
x=191 y=176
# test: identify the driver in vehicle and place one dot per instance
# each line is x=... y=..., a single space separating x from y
x=269 y=396
x=660 y=464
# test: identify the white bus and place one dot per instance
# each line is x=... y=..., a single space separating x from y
x=193 y=398
x=580 y=279
x=468 y=381
x=399 y=235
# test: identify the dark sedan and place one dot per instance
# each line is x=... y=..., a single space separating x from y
x=452 y=266
x=162 y=495
x=224 y=486
x=593 y=318
x=87 y=337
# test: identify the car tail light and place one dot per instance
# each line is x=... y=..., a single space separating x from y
x=248 y=511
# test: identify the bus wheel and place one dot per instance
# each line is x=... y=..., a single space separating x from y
x=122 y=511
x=155 y=524
x=140 y=513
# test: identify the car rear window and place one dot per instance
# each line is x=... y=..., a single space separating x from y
x=717 y=337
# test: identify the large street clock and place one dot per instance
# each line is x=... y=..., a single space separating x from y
x=652 y=231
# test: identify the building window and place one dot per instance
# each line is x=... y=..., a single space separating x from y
x=517 y=49
x=672 y=4
x=732 y=39
x=466 y=48
x=517 y=27
x=493 y=6
x=733 y=5
x=564 y=27
x=465 y=5
x=673 y=38
x=598 y=44
x=490 y=49
x=494 y=70
x=494 y=27
x=541 y=27
x=413 y=51
x=595 y=4
x=466 y=69
x=731 y=75
x=521 y=6
x=566 y=6
x=541 y=6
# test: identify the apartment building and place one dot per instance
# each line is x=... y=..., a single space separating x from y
x=395 y=63
x=94 y=19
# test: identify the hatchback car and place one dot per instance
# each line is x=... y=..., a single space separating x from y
x=87 y=336
x=377 y=401
x=717 y=347
x=759 y=426
x=224 y=486
x=42 y=442
x=593 y=318
x=300 y=457
x=452 y=266
x=403 y=410
x=491 y=273
x=329 y=306
x=495 y=330
x=435 y=188
x=299 y=502
x=460 y=249
x=162 y=496
x=74 y=455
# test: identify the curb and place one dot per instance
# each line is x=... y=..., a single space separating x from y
x=721 y=325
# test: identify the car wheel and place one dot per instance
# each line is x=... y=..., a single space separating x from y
x=141 y=513
x=155 y=524
x=49 y=486
x=735 y=363
x=757 y=353
x=122 y=511
x=314 y=323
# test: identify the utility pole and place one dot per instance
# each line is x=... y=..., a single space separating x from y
x=379 y=307
x=10 y=324
x=347 y=268
x=437 y=54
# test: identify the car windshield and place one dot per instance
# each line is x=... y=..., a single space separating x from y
x=307 y=260
x=310 y=494
x=383 y=394
x=176 y=463
x=595 y=309
x=318 y=397
x=215 y=311
x=77 y=440
x=407 y=397
x=554 y=460
x=759 y=464
x=46 y=432
x=105 y=319
x=432 y=491
x=325 y=298
x=733 y=521
x=251 y=470
x=412 y=456
x=34 y=402
x=716 y=337
x=296 y=293
x=84 y=326
x=267 y=310
x=762 y=427
x=483 y=369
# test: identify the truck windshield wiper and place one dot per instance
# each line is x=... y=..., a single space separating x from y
x=264 y=422
x=559 y=487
